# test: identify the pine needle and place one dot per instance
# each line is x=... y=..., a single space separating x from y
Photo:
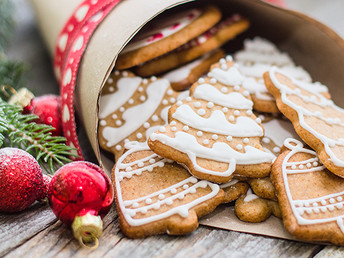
x=20 y=131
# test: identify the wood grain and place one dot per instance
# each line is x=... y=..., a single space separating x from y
x=56 y=240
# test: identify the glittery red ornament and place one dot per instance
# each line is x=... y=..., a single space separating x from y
x=80 y=194
x=48 y=109
x=21 y=180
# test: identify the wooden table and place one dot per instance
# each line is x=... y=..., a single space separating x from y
x=36 y=232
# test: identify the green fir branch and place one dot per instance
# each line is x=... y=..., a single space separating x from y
x=20 y=131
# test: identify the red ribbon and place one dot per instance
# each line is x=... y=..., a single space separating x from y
x=70 y=47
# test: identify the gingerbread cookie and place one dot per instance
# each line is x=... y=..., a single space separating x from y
x=316 y=119
x=131 y=108
x=263 y=187
x=156 y=196
x=182 y=77
x=234 y=189
x=208 y=41
x=167 y=33
x=214 y=132
x=257 y=57
x=310 y=196
x=252 y=208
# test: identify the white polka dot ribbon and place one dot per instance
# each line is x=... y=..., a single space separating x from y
x=70 y=47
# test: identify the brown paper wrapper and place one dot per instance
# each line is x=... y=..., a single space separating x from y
x=311 y=44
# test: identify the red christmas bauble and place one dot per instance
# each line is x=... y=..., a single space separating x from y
x=78 y=188
x=80 y=194
x=21 y=180
x=48 y=109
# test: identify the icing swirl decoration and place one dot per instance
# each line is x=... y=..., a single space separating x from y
x=215 y=123
x=173 y=191
x=316 y=116
x=126 y=95
x=316 y=208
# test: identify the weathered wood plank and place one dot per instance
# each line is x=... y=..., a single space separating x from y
x=57 y=241
x=331 y=252
x=17 y=228
x=209 y=242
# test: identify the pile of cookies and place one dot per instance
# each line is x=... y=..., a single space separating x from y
x=181 y=151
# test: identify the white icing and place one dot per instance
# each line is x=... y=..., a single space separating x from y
x=217 y=123
x=220 y=151
x=250 y=196
x=231 y=100
x=155 y=92
x=130 y=208
x=126 y=87
x=229 y=77
x=302 y=112
x=279 y=59
x=230 y=183
x=328 y=202
x=164 y=28
x=257 y=88
x=259 y=44
x=257 y=58
x=298 y=73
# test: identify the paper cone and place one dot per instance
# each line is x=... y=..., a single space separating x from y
x=312 y=45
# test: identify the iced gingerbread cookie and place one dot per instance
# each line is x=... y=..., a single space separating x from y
x=182 y=77
x=316 y=119
x=310 y=196
x=214 y=131
x=155 y=195
x=167 y=33
x=234 y=189
x=131 y=108
x=208 y=41
x=257 y=57
x=251 y=208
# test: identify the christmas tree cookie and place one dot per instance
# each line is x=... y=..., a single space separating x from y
x=257 y=57
x=131 y=108
x=317 y=120
x=214 y=132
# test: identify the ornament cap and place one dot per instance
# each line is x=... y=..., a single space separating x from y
x=21 y=98
x=87 y=229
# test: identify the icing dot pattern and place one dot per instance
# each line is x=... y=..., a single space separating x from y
x=321 y=209
x=119 y=119
x=217 y=106
x=167 y=197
